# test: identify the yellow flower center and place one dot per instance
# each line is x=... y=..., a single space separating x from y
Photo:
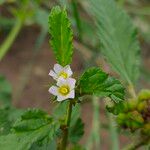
x=63 y=74
x=64 y=90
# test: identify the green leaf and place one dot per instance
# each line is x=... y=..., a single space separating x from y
x=34 y=127
x=76 y=131
x=118 y=38
x=77 y=147
x=95 y=81
x=8 y=116
x=5 y=92
x=31 y=120
x=61 y=35
x=116 y=108
x=60 y=111
x=76 y=125
x=52 y=145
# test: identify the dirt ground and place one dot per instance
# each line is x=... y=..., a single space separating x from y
x=35 y=94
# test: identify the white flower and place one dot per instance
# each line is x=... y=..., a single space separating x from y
x=64 y=89
x=60 y=71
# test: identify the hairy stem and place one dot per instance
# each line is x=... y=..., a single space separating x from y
x=66 y=129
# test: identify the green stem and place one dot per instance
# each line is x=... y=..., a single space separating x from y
x=132 y=91
x=113 y=133
x=94 y=139
x=77 y=18
x=10 y=38
x=66 y=129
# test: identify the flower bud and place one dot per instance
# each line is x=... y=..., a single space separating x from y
x=144 y=95
x=146 y=129
x=141 y=106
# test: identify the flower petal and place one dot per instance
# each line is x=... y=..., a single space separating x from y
x=61 y=81
x=71 y=94
x=53 y=90
x=61 y=98
x=58 y=68
x=71 y=82
x=68 y=70
x=53 y=74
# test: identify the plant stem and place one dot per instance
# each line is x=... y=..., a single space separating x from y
x=94 y=139
x=66 y=129
x=77 y=18
x=96 y=122
x=132 y=91
x=10 y=38
x=113 y=133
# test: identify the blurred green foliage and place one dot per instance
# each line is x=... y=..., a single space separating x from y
x=5 y=92
x=116 y=33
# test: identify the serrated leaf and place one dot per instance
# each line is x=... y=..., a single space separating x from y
x=8 y=116
x=5 y=92
x=95 y=81
x=118 y=38
x=61 y=35
x=34 y=126
x=116 y=109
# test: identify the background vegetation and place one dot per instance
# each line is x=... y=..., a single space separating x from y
x=98 y=26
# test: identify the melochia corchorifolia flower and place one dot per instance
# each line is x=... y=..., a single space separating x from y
x=60 y=71
x=64 y=89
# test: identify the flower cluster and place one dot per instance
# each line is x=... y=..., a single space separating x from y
x=65 y=85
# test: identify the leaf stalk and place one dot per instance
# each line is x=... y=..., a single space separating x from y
x=132 y=91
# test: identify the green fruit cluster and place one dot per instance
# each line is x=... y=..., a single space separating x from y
x=135 y=113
